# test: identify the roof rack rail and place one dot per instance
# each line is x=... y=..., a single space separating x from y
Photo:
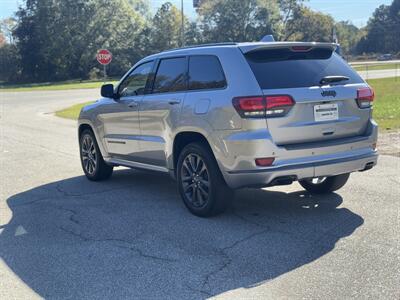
x=203 y=45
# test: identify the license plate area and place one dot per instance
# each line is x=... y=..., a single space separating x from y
x=326 y=112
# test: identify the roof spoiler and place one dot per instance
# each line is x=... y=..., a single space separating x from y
x=251 y=47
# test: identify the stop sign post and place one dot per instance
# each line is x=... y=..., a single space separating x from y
x=104 y=57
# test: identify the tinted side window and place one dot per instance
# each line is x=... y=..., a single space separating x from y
x=283 y=68
x=171 y=75
x=205 y=72
x=135 y=83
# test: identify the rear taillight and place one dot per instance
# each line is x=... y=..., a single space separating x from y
x=365 y=96
x=278 y=105
x=263 y=107
x=250 y=107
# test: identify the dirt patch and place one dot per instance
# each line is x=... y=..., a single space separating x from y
x=389 y=143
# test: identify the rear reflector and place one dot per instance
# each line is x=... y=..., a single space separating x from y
x=365 y=96
x=261 y=107
x=265 y=161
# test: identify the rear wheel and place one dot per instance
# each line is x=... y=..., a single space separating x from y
x=324 y=185
x=200 y=182
x=92 y=161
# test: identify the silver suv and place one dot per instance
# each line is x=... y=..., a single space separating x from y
x=226 y=116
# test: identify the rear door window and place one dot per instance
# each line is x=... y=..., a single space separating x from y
x=284 y=68
x=171 y=75
x=205 y=72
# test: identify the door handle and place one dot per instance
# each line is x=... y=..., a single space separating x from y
x=133 y=104
x=174 y=101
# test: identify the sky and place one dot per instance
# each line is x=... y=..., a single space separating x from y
x=357 y=11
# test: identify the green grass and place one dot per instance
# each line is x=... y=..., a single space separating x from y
x=53 y=86
x=387 y=102
x=376 y=67
x=72 y=112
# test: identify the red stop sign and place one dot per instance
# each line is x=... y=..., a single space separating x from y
x=104 y=56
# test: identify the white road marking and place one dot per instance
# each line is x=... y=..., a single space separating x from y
x=20 y=231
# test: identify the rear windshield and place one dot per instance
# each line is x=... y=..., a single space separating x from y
x=283 y=68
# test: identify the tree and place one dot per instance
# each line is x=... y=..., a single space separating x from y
x=29 y=38
x=7 y=27
x=238 y=20
x=348 y=36
x=141 y=7
x=115 y=31
x=166 y=28
x=163 y=31
x=58 y=39
x=383 y=34
x=193 y=35
x=2 y=40
x=394 y=26
x=308 y=25
x=10 y=68
x=288 y=8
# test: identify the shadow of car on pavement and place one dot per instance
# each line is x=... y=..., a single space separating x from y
x=131 y=236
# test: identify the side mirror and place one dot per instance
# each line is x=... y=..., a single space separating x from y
x=107 y=91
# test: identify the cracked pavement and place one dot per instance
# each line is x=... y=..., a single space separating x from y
x=63 y=237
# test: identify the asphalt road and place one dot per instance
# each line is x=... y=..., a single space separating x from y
x=63 y=237
x=374 y=62
x=376 y=74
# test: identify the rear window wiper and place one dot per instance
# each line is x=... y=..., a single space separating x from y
x=330 y=79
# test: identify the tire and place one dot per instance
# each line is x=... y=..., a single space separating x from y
x=327 y=185
x=201 y=185
x=92 y=161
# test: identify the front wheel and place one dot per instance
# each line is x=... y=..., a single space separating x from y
x=92 y=161
x=324 y=185
x=200 y=181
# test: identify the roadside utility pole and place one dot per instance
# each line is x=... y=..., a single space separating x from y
x=182 y=26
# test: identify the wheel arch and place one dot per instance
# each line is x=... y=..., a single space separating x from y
x=184 y=138
x=83 y=125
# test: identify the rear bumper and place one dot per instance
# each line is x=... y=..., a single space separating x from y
x=237 y=152
x=328 y=167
